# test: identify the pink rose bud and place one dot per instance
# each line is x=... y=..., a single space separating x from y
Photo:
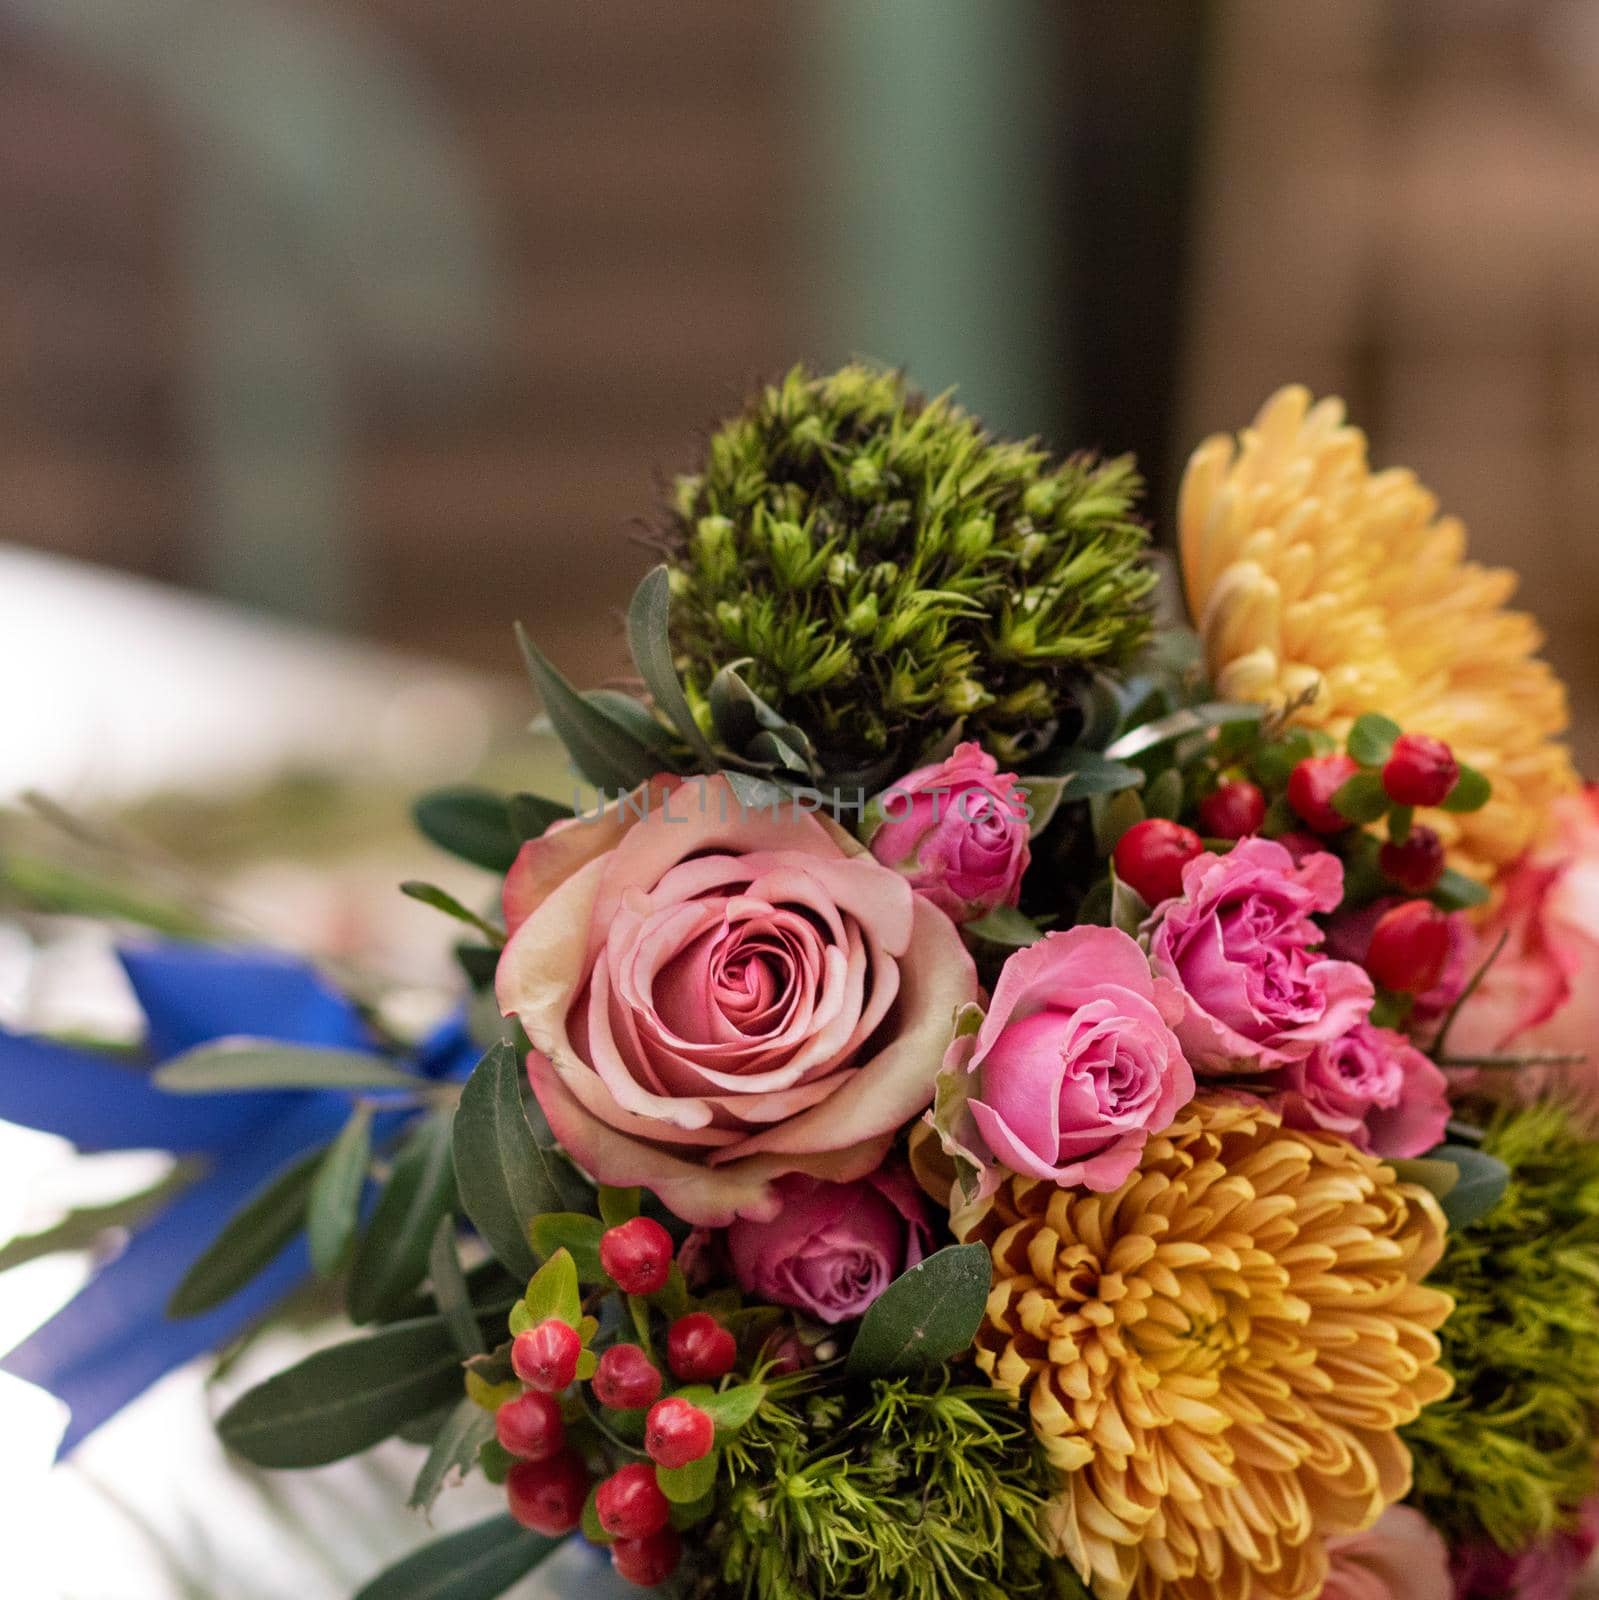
x=1400 y=1557
x=1372 y=1087
x=1075 y=1063
x=833 y=1247
x=958 y=832
x=1244 y=948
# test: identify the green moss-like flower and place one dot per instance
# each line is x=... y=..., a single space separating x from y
x=890 y=570
x=1511 y=1452
x=913 y=1490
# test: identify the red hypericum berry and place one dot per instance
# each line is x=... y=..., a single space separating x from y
x=677 y=1432
x=647 y=1562
x=1311 y=786
x=1299 y=844
x=626 y=1379
x=630 y=1504
x=637 y=1256
x=545 y=1357
x=1151 y=855
x=530 y=1426
x=1420 y=771
x=699 y=1349
x=1409 y=947
x=1234 y=811
x=548 y=1496
x=1417 y=864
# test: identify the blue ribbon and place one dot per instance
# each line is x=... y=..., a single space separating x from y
x=114 y=1339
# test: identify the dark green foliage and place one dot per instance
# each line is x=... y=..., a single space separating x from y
x=910 y=1489
x=1511 y=1452
x=889 y=572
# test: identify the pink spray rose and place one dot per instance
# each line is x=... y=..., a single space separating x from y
x=1074 y=1065
x=718 y=996
x=1243 y=947
x=1542 y=994
x=833 y=1248
x=1400 y=1557
x=958 y=832
x=1372 y=1087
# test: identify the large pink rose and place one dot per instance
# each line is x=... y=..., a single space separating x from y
x=1400 y=1557
x=716 y=997
x=1075 y=1063
x=833 y=1248
x=1242 y=945
x=1542 y=994
x=1374 y=1088
x=958 y=832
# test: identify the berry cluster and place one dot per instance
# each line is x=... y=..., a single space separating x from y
x=549 y=1429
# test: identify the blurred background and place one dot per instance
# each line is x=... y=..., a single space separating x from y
x=337 y=334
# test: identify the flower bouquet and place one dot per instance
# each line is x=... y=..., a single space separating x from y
x=985 y=1091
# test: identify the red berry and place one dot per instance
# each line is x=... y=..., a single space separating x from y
x=530 y=1426
x=1417 y=864
x=1420 y=771
x=1299 y=845
x=1234 y=811
x=1409 y=947
x=699 y=1349
x=647 y=1561
x=545 y=1357
x=677 y=1432
x=630 y=1504
x=637 y=1256
x=1151 y=855
x=1311 y=786
x=626 y=1379
x=548 y=1496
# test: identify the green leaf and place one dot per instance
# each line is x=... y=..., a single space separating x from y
x=553 y=1292
x=926 y=1315
x=1436 y=1177
x=1481 y=1187
x=1164 y=796
x=241 y=1063
x=1089 y=772
x=471 y=823
x=1454 y=891
x=345 y=1398
x=334 y=1207
x=532 y=815
x=450 y=1291
x=495 y=1461
x=1006 y=926
x=1112 y=816
x=575 y=1233
x=453 y=1453
x=1361 y=798
x=729 y=1409
x=649 y=640
x=87 y=1226
x=603 y=748
x=1371 y=739
x=1400 y=821
x=593 y=1531
x=1470 y=793
x=392 y=1257
x=430 y=894
x=476 y=1563
x=1180 y=725
x=504 y=1175
x=251 y=1238
x=1043 y=796
x=681 y=1485
x=1128 y=908
x=618 y=1205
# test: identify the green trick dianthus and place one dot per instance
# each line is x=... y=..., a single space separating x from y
x=1510 y=1453
x=911 y=1489
x=889 y=571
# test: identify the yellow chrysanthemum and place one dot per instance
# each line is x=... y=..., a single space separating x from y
x=1309 y=573
x=1216 y=1356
